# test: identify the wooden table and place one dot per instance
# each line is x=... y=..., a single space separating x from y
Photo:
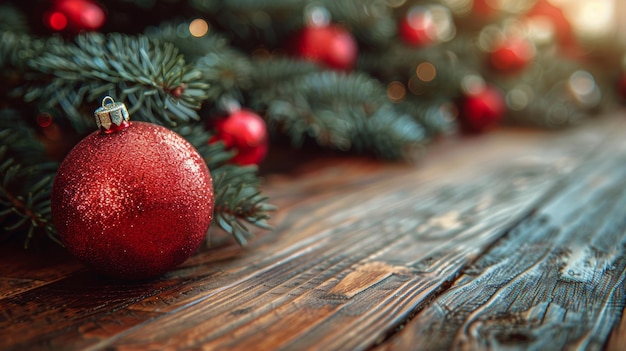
x=514 y=239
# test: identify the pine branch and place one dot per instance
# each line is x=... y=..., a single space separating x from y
x=371 y=21
x=12 y=20
x=238 y=199
x=189 y=46
x=224 y=69
x=268 y=73
x=150 y=75
x=541 y=95
x=346 y=112
x=25 y=185
x=17 y=49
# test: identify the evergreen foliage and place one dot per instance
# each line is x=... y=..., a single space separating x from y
x=167 y=76
x=25 y=180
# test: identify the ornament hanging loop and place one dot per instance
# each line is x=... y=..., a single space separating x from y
x=107 y=98
x=111 y=116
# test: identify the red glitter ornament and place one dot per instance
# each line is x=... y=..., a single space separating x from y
x=246 y=132
x=417 y=28
x=330 y=45
x=75 y=15
x=482 y=110
x=132 y=201
x=512 y=56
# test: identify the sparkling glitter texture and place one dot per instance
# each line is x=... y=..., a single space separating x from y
x=133 y=204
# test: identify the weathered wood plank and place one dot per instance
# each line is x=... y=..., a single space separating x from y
x=22 y=270
x=617 y=340
x=359 y=246
x=351 y=265
x=557 y=281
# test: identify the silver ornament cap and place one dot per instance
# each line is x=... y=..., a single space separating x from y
x=111 y=116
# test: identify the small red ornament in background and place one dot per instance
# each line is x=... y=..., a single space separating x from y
x=328 y=44
x=75 y=16
x=132 y=201
x=482 y=110
x=244 y=131
x=418 y=28
x=512 y=55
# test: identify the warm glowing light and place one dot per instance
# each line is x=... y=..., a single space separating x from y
x=57 y=21
x=426 y=71
x=584 y=88
x=317 y=16
x=472 y=84
x=541 y=29
x=590 y=19
x=519 y=97
x=445 y=29
x=396 y=91
x=198 y=27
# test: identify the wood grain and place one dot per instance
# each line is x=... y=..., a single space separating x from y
x=556 y=281
x=360 y=246
x=352 y=263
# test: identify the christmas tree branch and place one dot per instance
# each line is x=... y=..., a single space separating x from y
x=346 y=112
x=224 y=69
x=24 y=187
x=238 y=199
x=152 y=76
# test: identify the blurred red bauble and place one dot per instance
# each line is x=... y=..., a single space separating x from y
x=329 y=45
x=512 y=55
x=246 y=132
x=132 y=201
x=75 y=15
x=417 y=28
x=482 y=110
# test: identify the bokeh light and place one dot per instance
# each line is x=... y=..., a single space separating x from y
x=396 y=92
x=426 y=71
x=57 y=21
x=198 y=27
x=472 y=84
